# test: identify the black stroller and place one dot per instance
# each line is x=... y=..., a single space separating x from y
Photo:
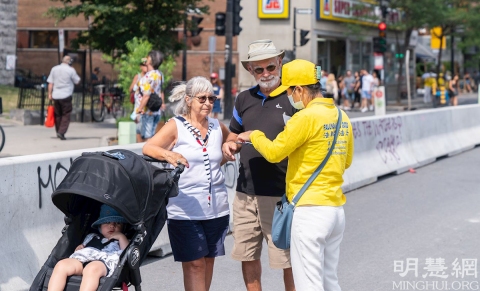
x=131 y=185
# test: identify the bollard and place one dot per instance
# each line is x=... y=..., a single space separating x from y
x=126 y=132
x=1 y=106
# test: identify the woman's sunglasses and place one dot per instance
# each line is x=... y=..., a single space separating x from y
x=269 y=68
x=203 y=99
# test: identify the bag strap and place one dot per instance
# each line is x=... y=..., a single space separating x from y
x=320 y=168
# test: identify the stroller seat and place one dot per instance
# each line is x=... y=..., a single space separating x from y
x=131 y=185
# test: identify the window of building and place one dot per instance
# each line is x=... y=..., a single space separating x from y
x=43 y=39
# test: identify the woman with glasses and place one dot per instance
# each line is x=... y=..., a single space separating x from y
x=198 y=217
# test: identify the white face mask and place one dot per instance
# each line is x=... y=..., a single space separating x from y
x=297 y=105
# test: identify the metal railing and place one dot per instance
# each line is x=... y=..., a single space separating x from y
x=33 y=95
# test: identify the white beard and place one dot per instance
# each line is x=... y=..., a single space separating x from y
x=270 y=83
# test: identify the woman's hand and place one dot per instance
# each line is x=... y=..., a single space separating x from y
x=229 y=149
x=244 y=136
x=175 y=159
x=79 y=247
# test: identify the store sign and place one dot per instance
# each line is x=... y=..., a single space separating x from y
x=378 y=61
x=273 y=9
x=357 y=11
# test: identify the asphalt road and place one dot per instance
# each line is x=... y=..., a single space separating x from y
x=433 y=213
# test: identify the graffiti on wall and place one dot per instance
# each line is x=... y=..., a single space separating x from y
x=53 y=178
x=230 y=170
x=387 y=133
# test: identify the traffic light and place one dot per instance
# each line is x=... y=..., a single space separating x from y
x=303 y=38
x=399 y=55
x=382 y=29
x=220 y=23
x=236 y=17
x=379 y=44
x=195 y=30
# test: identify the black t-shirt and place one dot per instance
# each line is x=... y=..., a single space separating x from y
x=255 y=111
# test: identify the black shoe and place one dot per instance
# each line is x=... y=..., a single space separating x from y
x=61 y=136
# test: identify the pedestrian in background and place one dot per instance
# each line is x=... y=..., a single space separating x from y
x=358 y=90
x=133 y=88
x=94 y=77
x=198 y=217
x=348 y=91
x=319 y=219
x=150 y=83
x=217 y=91
x=453 y=90
x=260 y=184
x=367 y=81
x=61 y=82
x=331 y=88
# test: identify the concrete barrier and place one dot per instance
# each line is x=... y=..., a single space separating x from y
x=31 y=224
x=396 y=143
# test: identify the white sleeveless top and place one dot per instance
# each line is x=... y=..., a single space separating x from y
x=192 y=202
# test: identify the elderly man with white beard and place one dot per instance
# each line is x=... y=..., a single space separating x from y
x=260 y=184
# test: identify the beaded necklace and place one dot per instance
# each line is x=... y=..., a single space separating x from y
x=203 y=143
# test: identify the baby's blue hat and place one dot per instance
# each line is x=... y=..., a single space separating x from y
x=108 y=214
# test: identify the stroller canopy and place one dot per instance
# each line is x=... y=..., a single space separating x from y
x=119 y=178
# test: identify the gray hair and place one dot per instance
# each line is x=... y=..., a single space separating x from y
x=156 y=57
x=192 y=88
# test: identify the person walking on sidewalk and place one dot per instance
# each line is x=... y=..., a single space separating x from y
x=61 y=82
x=151 y=82
x=260 y=183
x=366 y=93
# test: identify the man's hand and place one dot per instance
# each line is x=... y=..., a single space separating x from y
x=229 y=149
x=50 y=97
x=244 y=136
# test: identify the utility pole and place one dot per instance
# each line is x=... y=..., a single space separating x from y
x=184 y=56
x=452 y=54
x=294 y=33
x=228 y=102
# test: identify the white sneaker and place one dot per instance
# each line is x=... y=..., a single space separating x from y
x=364 y=109
x=346 y=108
x=370 y=108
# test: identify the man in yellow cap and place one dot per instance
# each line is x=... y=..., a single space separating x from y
x=260 y=183
x=319 y=219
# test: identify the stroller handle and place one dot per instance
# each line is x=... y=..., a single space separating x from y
x=153 y=160
x=175 y=173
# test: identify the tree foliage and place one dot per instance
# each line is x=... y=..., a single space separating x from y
x=114 y=22
x=127 y=64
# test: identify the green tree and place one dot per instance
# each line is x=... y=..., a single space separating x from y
x=114 y=22
x=127 y=64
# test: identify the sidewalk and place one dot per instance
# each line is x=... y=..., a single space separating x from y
x=36 y=139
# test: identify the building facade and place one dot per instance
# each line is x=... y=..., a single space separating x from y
x=8 y=25
x=37 y=43
x=340 y=35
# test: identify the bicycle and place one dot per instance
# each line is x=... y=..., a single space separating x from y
x=2 y=138
x=110 y=102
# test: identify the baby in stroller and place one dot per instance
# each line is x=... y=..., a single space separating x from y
x=97 y=256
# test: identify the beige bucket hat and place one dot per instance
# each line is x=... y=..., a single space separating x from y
x=261 y=50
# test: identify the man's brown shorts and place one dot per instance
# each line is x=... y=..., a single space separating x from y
x=252 y=222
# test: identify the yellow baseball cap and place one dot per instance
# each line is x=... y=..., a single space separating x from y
x=298 y=73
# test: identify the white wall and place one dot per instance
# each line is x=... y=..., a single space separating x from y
x=31 y=225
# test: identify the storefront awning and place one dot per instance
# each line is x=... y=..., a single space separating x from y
x=424 y=52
